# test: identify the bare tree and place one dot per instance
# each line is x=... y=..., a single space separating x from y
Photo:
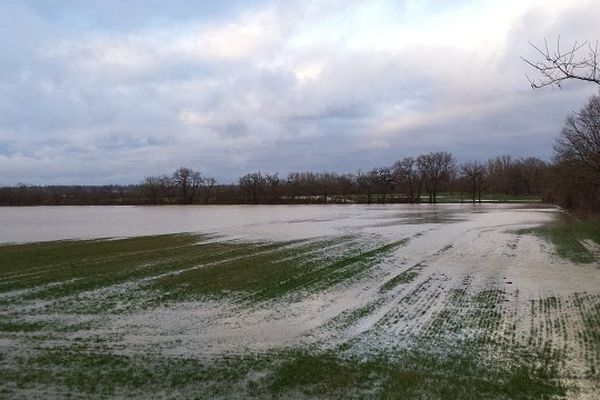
x=474 y=171
x=579 y=142
x=181 y=179
x=188 y=181
x=273 y=182
x=253 y=185
x=346 y=185
x=293 y=185
x=579 y=62
x=209 y=183
x=383 y=180
x=151 y=188
x=435 y=169
x=365 y=183
x=534 y=173
x=498 y=169
x=195 y=183
x=406 y=174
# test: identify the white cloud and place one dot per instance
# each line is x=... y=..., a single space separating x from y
x=249 y=37
x=280 y=85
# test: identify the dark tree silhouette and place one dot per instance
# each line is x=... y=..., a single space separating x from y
x=209 y=183
x=401 y=182
x=435 y=170
x=578 y=62
x=188 y=181
x=474 y=171
x=365 y=183
x=406 y=175
x=579 y=142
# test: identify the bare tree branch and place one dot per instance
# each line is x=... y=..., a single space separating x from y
x=579 y=62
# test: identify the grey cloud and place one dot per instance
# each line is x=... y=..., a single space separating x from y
x=119 y=97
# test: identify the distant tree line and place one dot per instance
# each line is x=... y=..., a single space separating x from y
x=430 y=177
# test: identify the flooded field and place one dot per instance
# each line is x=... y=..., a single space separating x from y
x=399 y=301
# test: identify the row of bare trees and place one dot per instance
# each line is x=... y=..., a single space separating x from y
x=185 y=184
x=575 y=174
x=411 y=179
x=424 y=178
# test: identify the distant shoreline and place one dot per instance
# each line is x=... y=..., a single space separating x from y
x=296 y=203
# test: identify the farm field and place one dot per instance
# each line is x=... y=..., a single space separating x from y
x=392 y=302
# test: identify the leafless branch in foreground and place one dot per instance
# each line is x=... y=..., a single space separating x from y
x=579 y=62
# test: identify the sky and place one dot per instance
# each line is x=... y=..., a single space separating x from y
x=111 y=91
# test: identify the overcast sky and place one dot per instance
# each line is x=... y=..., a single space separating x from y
x=110 y=91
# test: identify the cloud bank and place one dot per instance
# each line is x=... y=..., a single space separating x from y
x=111 y=91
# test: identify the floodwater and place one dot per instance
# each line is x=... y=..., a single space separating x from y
x=467 y=264
x=276 y=222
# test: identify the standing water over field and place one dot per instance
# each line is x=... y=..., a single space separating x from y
x=319 y=301
x=277 y=222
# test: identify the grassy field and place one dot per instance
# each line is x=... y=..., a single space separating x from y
x=130 y=318
x=570 y=235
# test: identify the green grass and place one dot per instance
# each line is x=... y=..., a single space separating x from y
x=57 y=296
x=588 y=307
x=275 y=274
x=177 y=267
x=411 y=375
x=68 y=267
x=567 y=234
x=349 y=317
x=402 y=278
x=281 y=374
x=9 y=325
x=80 y=372
x=100 y=276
